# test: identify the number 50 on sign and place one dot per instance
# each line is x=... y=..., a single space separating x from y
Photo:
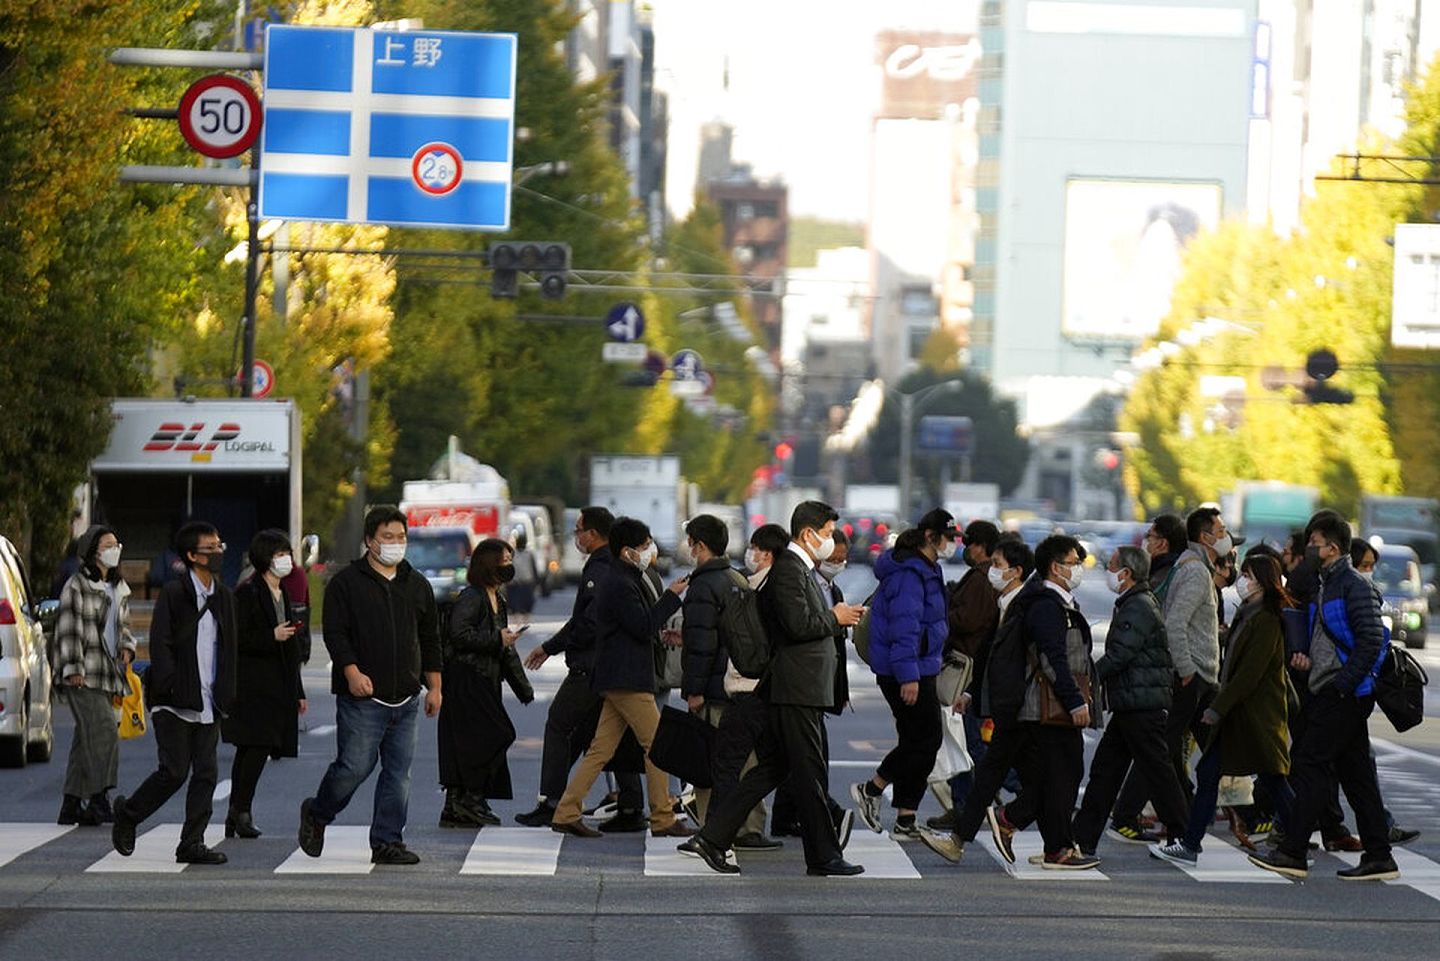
x=220 y=116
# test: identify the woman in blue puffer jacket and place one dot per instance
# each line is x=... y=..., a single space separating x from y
x=908 y=628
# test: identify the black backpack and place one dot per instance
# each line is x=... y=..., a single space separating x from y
x=1400 y=689
x=741 y=630
x=860 y=636
x=1007 y=672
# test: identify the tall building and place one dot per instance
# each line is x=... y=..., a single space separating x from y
x=922 y=222
x=755 y=218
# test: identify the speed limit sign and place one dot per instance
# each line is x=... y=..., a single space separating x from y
x=220 y=116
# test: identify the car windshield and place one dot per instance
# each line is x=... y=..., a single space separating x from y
x=438 y=553
x=1397 y=575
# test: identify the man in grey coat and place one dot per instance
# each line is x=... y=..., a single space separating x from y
x=1193 y=628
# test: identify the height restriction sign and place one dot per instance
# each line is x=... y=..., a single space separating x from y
x=220 y=116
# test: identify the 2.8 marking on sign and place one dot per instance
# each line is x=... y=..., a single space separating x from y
x=437 y=168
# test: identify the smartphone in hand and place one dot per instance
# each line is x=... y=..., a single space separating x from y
x=521 y=629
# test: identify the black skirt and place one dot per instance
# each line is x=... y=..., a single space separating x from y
x=475 y=732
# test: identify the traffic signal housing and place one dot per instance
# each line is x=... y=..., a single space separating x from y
x=547 y=261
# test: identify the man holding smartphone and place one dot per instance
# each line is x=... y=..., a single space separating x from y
x=384 y=642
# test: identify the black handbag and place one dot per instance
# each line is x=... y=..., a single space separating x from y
x=1400 y=689
x=682 y=746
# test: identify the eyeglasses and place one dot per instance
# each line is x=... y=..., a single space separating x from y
x=211 y=549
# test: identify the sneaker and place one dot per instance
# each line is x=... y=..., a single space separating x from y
x=395 y=853
x=1069 y=859
x=757 y=842
x=625 y=822
x=312 y=835
x=609 y=805
x=1176 y=853
x=1132 y=834
x=1399 y=835
x=1002 y=831
x=867 y=807
x=1378 y=869
x=844 y=824
x=908 y=831
x=1263 y=827
x=942 y=822
x=541 y=817
x=946 y=844
x=713 y=857
x=122 y=831
x=1345 y=842
x=1281 y=863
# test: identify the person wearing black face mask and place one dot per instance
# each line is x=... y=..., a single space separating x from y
x=191 y=685
x=474 y=728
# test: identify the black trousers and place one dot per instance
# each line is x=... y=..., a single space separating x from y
x=1009 y=747
x=1189 y=702
x=1137 y=736
x=784 y=812
x=1336 y=746
x=186 y=751
x=245 y=773
x=789 y=748
x=918 y=730
x=574 y=706
x=1051 y=782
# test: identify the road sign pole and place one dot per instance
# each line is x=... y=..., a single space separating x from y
x=252 y=288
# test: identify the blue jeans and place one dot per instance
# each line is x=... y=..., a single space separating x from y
x=368 y=731
x=1207 y=791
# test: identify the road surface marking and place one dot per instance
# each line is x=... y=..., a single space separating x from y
x=154 y=852
x=881 y=855
x=1416 y=870
x=662 y=860
x=16 y=839
x=347 y=851
x=1224 y=863
x=514 y=851
x=1025 y=844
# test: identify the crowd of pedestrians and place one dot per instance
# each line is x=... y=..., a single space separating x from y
x=997 y=670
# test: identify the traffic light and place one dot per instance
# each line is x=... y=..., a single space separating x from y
x=547 y=262
x=783 y=451
x=1320 y=366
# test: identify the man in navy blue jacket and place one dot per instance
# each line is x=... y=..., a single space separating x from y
x=1347 y=643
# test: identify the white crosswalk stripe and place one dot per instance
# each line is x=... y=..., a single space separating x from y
x=1026 y=844
x=1222 y=862
x=16 y=839
x=881 y=856
x=662 y=860
x=154 y=852
x=347 y=851
x=1416 y=870
x=514 y=851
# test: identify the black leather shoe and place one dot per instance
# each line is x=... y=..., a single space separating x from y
x=239 y=824
x=197 y=853
x=312 y=835
x=838 y=868
x=626 y=822
x=541 y=817
x=713 y=857
x=122 y=832
x=757 y=842
x=396 y=853
x=100 y=810
x=476 y=805
x=576 y=829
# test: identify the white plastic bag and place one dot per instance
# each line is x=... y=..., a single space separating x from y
x=953 y=758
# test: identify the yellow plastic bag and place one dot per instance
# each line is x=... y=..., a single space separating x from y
x=133 y=721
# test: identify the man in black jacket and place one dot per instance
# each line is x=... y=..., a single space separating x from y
x=1346 y=645
x=191 y=686
x=1136 y=671
x=797 y=688
x=383 y=636
x=575 y=706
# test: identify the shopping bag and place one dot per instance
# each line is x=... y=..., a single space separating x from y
x=952 y=758
x=133 y=721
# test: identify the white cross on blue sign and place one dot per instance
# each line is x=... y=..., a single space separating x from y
x=412 y=128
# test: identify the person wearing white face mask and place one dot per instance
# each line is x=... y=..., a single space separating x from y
x=93 y=647
x=269 y=696
x=1137 y=675
x=1192 y=625
x=624 y=676
x=383 y=637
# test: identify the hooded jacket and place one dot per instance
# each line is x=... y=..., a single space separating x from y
x=385 y=627
x=908 y=617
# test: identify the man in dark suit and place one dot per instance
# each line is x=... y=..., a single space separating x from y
x=797 y=688
x=191 y=686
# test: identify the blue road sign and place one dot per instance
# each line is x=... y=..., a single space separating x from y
x=687 y=365
x=946 y=435
x=625 y=323
x=412 y=128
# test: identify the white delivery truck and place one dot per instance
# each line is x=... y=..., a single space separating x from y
x=972 y=502
x=646 y=487
x=234 y=463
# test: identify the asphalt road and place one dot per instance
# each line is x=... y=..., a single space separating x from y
x=538 y=896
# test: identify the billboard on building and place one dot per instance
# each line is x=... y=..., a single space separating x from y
x=1415 y=308
x=924 y=72
x=1124 y=247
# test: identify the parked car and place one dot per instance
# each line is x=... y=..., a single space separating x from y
x=27 y=722
x=572 y=562
x=868 y=532
x=1406 y=610
x=540 y=537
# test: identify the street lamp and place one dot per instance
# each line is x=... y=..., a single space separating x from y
x=909 y=404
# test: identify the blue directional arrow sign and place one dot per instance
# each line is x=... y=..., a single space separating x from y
x=625 y=323
x=687 y=365
x=412 y=128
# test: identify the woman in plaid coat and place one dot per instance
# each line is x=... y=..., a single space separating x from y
x=93 y=648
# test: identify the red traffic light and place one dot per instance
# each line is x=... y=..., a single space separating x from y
x=1110 y=460
x=783 y=451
